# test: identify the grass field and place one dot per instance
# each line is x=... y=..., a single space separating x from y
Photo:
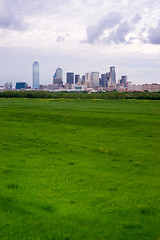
x=79 y=169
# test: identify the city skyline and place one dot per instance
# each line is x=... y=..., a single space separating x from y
x=91 y=82
x=94 y=36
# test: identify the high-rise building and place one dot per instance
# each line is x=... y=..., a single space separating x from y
x=77 y=78
x=123 y=81
x=35 y=75
x=57 y=78
x=107 y=78
x=103 y=80
x=112 y=80
x=70 y=77
x=87 y=77
x=88 y=81
x=95 y=79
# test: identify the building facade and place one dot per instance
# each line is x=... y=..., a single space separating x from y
x=70 y=78
x=95 y=79
x=77 y=78
x=21 y=85
x=123 y=81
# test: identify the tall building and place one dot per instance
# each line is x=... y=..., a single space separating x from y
x=88 y=81
x=77 y=78
x=83 y=79
x=112 y=80
x=35 y=75
x=103 y=80
x=123 y=81
x=57 y=78
x=107 y=78
x=70 y=77
x=59 y=73
x=95 y=79
x=87 y=77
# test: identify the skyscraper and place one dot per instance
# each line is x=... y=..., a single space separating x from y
x=95 y=79
x=70 y=77
x=123 y=81
x=77 y=78
x=59 y=73
x=103 y=80
x=57 y=78
x=88 y=81
x=87 y=77
x=112 y=80
x=35 y=75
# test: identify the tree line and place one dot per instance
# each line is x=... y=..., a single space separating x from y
x=81 y=95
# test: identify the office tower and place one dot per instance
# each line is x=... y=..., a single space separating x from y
x=112 y=80
x=83 y=78
x=103 y=80
x=100 y=82
x=95 y=79
x=123 y=81
x=35 y=75
x=59 y=73
x=57 y=78
x=77 y=78
x=88 y=81
x=21 y=85
x=70 y=77
x=87 y=77
x=107 y=78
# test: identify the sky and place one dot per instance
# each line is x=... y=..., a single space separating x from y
x=80 y=36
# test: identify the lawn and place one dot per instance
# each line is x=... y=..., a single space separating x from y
x=79 y=169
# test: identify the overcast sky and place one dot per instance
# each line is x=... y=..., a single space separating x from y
x=80 y=36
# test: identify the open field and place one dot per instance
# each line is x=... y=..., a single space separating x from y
x=79 y=169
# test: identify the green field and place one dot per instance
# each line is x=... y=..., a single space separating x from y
x=79 y=169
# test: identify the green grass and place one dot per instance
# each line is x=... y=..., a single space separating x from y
x=79 y=169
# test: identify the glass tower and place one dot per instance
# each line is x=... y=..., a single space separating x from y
x=35 y=75
x=59 y=73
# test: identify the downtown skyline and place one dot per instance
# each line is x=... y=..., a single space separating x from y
x=80 y=36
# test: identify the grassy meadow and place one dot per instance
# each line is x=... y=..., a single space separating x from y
x=79 y=169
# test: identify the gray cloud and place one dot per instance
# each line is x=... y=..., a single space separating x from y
x=136 y=18
x=12 y=22
x=109 y=21
x=60 y=39
x=154 y=34
x=13 y=13
x=10 y=16
x=119 y=35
